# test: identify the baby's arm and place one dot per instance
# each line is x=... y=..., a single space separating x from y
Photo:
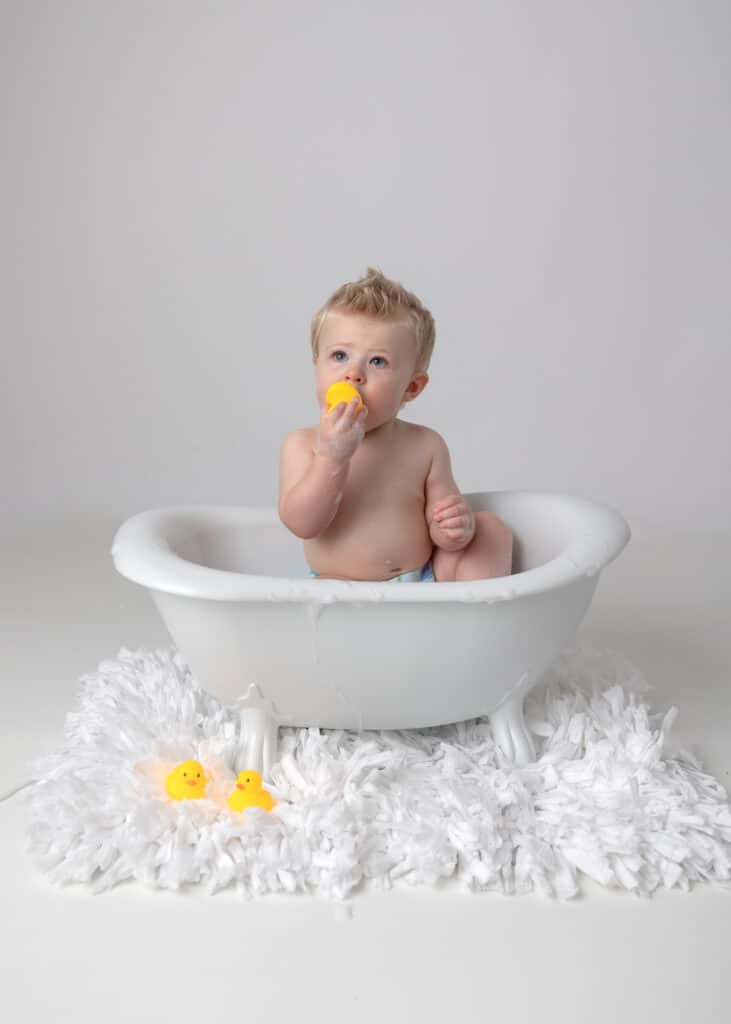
x=449 y=517
x=311 y=481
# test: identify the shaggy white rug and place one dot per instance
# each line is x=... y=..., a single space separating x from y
x=370 y=808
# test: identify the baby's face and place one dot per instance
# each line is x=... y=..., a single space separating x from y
x=377 y=357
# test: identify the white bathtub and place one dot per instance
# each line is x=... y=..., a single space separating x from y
x=231 y=587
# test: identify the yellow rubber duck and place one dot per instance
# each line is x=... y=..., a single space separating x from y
x=187 y=781
x=249 y=792
x=342 y=392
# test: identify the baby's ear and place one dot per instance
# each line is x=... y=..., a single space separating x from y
x=415 y=386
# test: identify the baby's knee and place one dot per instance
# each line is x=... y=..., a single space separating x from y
x=495 y=528
x=497 y=538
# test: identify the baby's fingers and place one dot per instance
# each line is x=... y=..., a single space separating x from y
x=457 y=525
x=449 y=515
x=354 y=417
x=349 y=419
x=448 y=504
x=354 y=408
x=334 y=414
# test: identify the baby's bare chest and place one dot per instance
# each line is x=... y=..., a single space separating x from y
x=380 y=528
x=387 y=478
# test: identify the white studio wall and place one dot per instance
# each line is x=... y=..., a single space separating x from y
x=184 y=184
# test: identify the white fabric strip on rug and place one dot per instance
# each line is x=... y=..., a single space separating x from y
x=370 y=808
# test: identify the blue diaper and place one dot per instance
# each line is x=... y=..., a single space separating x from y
x=423 y=575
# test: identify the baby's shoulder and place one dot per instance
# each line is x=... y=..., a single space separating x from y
x=299 y=435
x=298 y=442
x=427 y=439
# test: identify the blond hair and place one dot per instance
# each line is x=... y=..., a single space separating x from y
x=375 y=295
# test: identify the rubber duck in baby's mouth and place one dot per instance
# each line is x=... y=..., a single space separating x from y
x=341 y=391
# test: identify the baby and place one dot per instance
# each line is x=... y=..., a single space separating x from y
x=373 y=496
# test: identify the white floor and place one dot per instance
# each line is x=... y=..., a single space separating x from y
x=418 y=955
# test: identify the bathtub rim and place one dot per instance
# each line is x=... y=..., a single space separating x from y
x=142 y=554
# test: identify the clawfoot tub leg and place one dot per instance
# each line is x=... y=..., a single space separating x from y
x=511 y=733
x=258 y=732
x=257 y=741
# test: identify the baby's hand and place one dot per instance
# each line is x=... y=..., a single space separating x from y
x=453 y=523
x=341 y=430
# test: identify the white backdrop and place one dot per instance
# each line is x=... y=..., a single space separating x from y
x=183 y=183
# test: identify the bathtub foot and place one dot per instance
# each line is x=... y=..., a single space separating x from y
x=259 y=722
x=511 y=733
x=257 y=741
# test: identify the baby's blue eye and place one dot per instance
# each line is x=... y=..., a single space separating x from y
x=383 y=361
x=336 y=354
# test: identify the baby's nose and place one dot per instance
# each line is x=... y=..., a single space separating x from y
x=355 y=375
